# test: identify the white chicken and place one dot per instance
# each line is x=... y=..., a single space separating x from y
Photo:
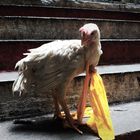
x=52 y=66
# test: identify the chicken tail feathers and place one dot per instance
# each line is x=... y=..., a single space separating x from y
x=19 y=85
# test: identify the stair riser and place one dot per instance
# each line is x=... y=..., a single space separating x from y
x=114 y=52
x=119 y=87
x=51 y=28
x=6 y=10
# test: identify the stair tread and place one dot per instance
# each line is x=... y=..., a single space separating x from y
x=70 y=18
x=125 y=119
x=49 y=40
x=6 y=76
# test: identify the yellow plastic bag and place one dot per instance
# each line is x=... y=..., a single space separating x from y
x=99 y=115
x=100 y=120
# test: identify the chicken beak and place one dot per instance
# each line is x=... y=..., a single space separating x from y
x=85 y=41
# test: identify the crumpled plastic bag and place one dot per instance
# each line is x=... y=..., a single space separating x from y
x=99 y=114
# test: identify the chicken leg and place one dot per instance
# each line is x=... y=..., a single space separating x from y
x=82 y=102
x=68 y=116
x=57 y=114
x=60 y=99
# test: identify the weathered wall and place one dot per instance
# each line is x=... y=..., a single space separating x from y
x=121 y=87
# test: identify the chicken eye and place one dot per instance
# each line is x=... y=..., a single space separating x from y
x=93 y=33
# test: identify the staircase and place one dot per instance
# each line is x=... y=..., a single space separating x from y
x=29 y=26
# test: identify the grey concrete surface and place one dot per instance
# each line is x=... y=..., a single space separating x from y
x=125 y=117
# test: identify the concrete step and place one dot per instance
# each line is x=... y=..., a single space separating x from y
x=122 y=85
x=116 y=51
x=10 y=76
x=64 y=28
x=46 y=11
x=125 y=118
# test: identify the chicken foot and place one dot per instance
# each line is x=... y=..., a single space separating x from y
x=68 y=116
x=58 y=115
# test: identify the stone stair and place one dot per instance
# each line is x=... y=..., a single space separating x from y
x=24 y=26
x=126 y=126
